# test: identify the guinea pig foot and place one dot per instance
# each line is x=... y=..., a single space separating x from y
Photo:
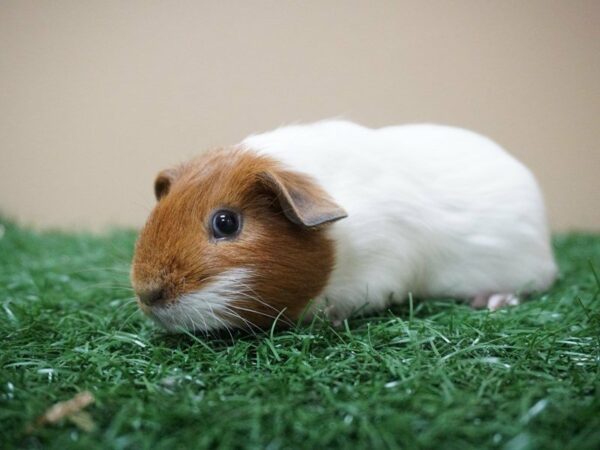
x=495 y=301
x=334 y=316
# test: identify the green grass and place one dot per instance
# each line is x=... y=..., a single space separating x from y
x=434 y=375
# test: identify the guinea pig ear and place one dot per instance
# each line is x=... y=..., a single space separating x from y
x=303 y=201
x=163 y=182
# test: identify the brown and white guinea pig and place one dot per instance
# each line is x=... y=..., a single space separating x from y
x=336 y=217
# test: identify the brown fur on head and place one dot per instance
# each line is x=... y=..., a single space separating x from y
x=281 y=258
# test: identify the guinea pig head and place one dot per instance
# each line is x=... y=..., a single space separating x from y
x=235 y=241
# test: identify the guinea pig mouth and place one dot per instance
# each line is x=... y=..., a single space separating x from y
x=207 y=309
x=187 y=314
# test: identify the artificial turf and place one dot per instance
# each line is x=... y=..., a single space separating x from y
x=433 y=374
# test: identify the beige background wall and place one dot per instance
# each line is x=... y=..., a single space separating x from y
x=97 y=96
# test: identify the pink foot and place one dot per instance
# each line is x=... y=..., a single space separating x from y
x=334 y=316
x=494 y=301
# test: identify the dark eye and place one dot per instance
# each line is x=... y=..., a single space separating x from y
x=225 y=224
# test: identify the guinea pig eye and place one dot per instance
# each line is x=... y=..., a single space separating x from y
x=225 y=224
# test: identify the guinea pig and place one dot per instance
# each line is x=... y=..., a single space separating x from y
x=336 y=217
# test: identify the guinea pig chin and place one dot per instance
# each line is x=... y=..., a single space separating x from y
x=207 y=309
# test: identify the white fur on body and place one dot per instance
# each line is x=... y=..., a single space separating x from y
x=432 y=211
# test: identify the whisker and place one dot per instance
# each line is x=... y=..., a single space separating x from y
x=190 y=306
x=107 y=286
x=257 y=297
x=278 y=317
x=258 y=300
x=221 y=321
x=124 y=271
x=191 y=319
x=127 y=319
x=250 y=325
x=254 y=297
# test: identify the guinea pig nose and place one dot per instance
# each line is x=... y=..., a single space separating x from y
x=151 y=297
